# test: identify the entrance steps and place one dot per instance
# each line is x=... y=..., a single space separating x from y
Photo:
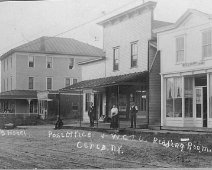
x=195 y=129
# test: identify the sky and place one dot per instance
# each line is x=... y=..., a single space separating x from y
x=21 y=22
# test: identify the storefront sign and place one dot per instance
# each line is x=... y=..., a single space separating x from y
x=195 y=63
x=42 y=95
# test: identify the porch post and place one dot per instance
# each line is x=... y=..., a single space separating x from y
x=208 y=97
x=183 y=99
x=162 y=100
x=118 y=104
x=80 y=111
x=29 y=101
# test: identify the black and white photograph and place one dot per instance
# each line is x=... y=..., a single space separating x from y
x=106 y=84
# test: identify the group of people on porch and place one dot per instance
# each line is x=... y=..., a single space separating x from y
x=114 y=115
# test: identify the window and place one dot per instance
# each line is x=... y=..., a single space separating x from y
x=88 y=100
x=49 y=62
x=7 y=84
x=134 y=54
x=7 y=64
x=71 y=63
x=174 y=97
x=31 y=82
x=180 y=49
x=75 y=106
x=74 y=81
x=188 y=96
x=67 y=82
x=207 y=44
x=4 y=65
x=4 y=85
x=31 y=61
x=49 y=83
x=11 y=62
x=116 y=58
x=11 y=82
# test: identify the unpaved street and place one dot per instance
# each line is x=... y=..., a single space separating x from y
x=43 y=147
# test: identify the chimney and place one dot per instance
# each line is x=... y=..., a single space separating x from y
x=42 y=44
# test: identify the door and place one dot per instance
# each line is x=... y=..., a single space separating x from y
x=205 y=107
x=201 y=106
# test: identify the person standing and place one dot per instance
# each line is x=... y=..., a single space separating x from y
x=91 y=114
x=133 y=114
x=114 y=117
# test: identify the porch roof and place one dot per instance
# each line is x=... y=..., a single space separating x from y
x=107 y=81
x=19 y=94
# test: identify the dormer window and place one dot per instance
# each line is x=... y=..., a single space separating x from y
x=49 y=62
x=207 y=44
x=71 y=63
x=180 y=49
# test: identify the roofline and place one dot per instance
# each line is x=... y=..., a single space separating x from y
x=40 y=52
x=150 y=3
x=91 y=61
x=181 y=19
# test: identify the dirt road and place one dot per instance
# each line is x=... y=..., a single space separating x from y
x=42 y=147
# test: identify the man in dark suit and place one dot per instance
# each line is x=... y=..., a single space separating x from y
x=133 y=114
x=91 y=114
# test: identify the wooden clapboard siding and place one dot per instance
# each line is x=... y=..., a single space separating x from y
x=154 y=88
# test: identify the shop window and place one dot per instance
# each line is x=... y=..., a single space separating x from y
x=116 y=59
x=134 y=54
x=180 y=49
x=88 y=100
x=207 y=44
x=210 y=114
x=174 y=97
x=188 y=96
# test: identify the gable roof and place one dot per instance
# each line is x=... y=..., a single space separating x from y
x=122 y=12
x=106 y=81
x=181 y=20
x=57 y=45
x=19 y=94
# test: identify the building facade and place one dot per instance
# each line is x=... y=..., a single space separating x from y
x=122 y=77
x=186 y=75
x=45 y=64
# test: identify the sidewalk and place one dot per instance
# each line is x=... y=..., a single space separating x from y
x=125 y=128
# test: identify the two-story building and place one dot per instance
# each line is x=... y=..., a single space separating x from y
x=40 y=68
x=123 y=76
x=186 y=71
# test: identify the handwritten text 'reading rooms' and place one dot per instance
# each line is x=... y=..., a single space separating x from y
x=182 y=146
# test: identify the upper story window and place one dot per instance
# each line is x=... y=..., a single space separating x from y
x=4 y=65
x=116 y=58
x=207 y=44
x=31 y=82
x=49 y=62
x=49 y=83
x=71 y=63
x=7 y=64
x=11 y=62
x=67 y=82
x=180 y=51
x=74 y=81
x=134 y=54
x=31 y=61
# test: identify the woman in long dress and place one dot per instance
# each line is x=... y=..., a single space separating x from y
x=114 y=117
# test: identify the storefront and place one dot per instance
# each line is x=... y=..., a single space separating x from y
x=54 y=103
x=117 y=90
x=187 y=99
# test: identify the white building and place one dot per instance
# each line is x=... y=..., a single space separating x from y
x=186 y=71
x=123 y=75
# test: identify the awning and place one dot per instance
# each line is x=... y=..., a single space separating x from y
x=19 y=94
x=137 y=77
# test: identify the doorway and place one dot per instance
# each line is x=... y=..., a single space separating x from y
x=201 y=105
